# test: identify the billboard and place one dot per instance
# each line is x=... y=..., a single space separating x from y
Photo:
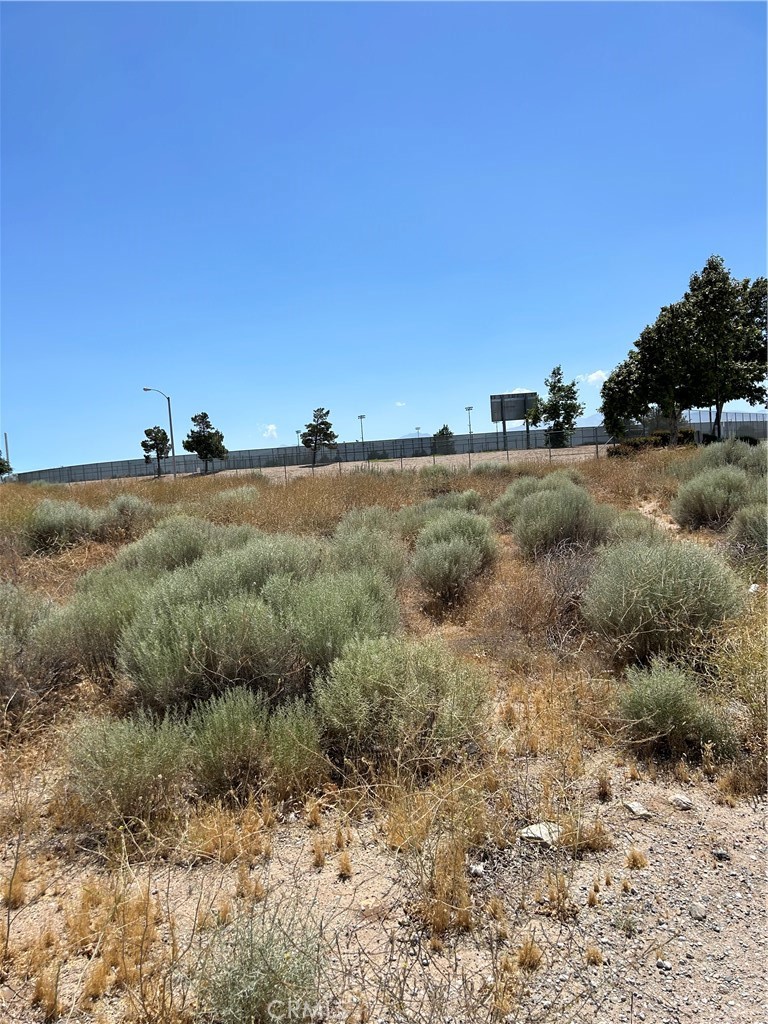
x=512 y=407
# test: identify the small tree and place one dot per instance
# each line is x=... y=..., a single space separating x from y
x=156 y=442
x=318 y=434
x=204 y=441
x=559 y=409
x=442 y=441
x=5 y=466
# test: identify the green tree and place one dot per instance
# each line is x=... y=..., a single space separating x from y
x=204 y=441
x=707 y=349
x=5 y=466
x=156 y=443
x=559 y=410
x=442 y=441
x=318 y=434
x=727 y=336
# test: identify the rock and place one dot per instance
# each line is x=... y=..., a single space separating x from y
x=720 y=854
x=476 y=870
x=546 y=832
x=636 y=809
x=681 y=802
x=664 y=965
x=698 y=911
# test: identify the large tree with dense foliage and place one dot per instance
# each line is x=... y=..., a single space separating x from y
x=319 y=434
x=204 y=440
x=706 y=349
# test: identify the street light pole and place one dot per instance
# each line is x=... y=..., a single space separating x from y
x=170 y=423
x=468 y=409
x=361 y=417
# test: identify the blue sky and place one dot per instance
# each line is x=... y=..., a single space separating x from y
x=389 y=209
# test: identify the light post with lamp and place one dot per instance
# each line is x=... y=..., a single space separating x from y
x=468 y=409
x=361 y=417
x=170 y=423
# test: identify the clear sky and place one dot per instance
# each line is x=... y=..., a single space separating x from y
x=389 y=209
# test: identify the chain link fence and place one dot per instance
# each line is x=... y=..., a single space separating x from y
x=588 y=442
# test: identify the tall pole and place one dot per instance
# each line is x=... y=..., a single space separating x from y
x=361 y=417
x=468 y=409
x=170 y=423
x=418 y=437
x=7 y=456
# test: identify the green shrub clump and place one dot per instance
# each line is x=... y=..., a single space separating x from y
x=654 y=598
x=403 y=701
x=748 y=533
x=751 y=458
x=564 y=517
x=176 y=652
x=21 y=670
x=55 y=525
x=228 y=737
x=131 y=770
x=712 y=497
x=452 y=549
x=665 y=711
x=180 y=540
x=296 y=761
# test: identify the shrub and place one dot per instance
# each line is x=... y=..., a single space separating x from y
x=437 y=479
x=635 y=526
x=54 y=525
x=565 y=516
x=176 y=541
x=447 y=568
x=21 y=614
x=664 y=710
x=322 y=614
x=654 y=598
x=748 y=532
x=131 y=769
x=372 y=517
x=268 y=961
x=295 y=752
x=368 y=548
x=456 y=524
x=711 y=498
x=127 y=517
x=750 y=458
x=401 y=700
x=506 y=508
x=229 y=741
x=86 y=632
x=179 y=652
x=494 y=467
x=465 y=501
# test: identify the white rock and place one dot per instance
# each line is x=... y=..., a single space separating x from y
x=546 y=832
x=681 y=802
x=636 y=808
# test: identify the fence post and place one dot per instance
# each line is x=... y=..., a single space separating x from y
x=597 y=446
x=285 y=467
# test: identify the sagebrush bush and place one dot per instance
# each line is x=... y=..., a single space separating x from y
x=86 y=632
x=464 y=501
x=262 y=967
x=297 y=763
x=446 y=569
x=180 y=540
x=127 y=517
x=54 y=525
x=653 y=598
x=506 y=508
x=748 y=532
x=400 y=700
x=368 y=548
x=371 y=517
x=21 y=670
x=711 y=498
x=437 y=479
x=732 y=452
x=458 y=524
x=635 y=526
x=176 y=652
x=228 y=737
x=130 y=769
x=323 y=613
x=494 y=467
x=664 y=710
x=565 y=515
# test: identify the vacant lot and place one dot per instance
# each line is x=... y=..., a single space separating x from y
x=427 y=745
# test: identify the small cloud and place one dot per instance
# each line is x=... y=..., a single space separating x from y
x=595 y=379
x=270 y=431
x=399 y=404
